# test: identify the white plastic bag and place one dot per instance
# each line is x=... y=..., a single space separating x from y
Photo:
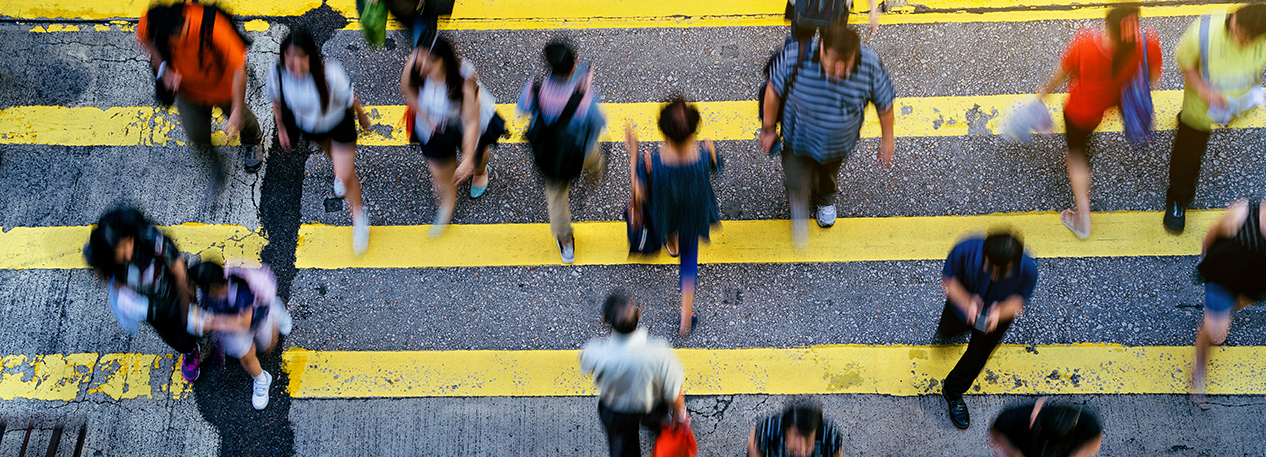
x=1028 y=115
x=1237 y=106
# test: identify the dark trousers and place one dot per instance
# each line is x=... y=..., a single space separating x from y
x=808 y=181
x=979 y=347
x=623 y=429
x=196 y=120
x=1184 y=162
x=172 y=330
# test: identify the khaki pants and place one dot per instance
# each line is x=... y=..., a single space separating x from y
x=196 y=119
x=556 y=197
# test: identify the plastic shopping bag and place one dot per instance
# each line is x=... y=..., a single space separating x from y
x=373 y=21
x=1028 y=115
x=676 y=440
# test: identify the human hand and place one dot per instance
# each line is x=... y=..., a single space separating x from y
x=887 y=146
x=283 y=137
x=993 y=320
x=235 y=123
x=364 y=121
x=463 y=172
x=767 y=138
x=1215 y=99
x=874 y=21
x=630 y=133
x=171 y=79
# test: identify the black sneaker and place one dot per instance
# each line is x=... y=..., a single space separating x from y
x=958 y=413
x=1175 y=217
x=252 y=164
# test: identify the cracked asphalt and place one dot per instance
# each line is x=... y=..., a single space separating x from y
x=1127 y=301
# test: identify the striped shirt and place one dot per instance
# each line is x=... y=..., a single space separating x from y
x=556 y=92
x=823 y=116
x=827 y=442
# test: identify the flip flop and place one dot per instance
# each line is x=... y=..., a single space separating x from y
x=1066 y=218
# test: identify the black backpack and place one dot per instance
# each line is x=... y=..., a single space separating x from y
x=558 y=155
x=819 y=14
x=166 y=96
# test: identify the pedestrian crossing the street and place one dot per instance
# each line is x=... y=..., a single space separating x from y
x=427 y=354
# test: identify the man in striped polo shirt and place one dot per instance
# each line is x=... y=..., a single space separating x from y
x=825 y=91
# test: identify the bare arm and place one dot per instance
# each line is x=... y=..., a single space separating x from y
x=406 y=84
x=751 y=445
x=283 y=136
x=769 y=131
x=239 y=322
x=874 y=16
x=239 y=101
x=887 y=145
x=1002 y=446
x=1195 y=81
x=1006 y=311
x=631 y=144
x=360 y=113
x=958 y=295
x=1227 y=226
x=1057 y=80
x=679 y=407
x=470 y=131
x=1091 y=448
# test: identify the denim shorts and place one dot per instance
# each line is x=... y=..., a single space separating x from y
x=1218 y=299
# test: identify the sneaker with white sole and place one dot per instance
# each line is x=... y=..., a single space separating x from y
x=826 y=216
x=339 y=190
x=568 y=252
x=360 y=233
x=259 y=390
x=285 y=323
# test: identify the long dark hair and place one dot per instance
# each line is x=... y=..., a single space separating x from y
x=438 y=46
x=1124 y=51
x=112 y=228
x=301 y=38
x=161 y=22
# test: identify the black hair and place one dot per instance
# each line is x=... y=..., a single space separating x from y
x=803 y=415
x=301 y=38
x=1124 y=50
x=112 y=228
x=561 y=57
x=1054 y=430
x=679 y=119
x=439 y=46
x=616 y=313
x=161 y=23
x=842 y=39
x=1252 y=19
x=207 y=274
x=1003 y=248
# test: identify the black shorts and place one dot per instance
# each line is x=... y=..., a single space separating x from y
x=344 y=132
x=1078 y=138
x=444 y=144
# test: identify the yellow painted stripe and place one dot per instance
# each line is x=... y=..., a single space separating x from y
x=576 y=14
x=849 y=369
x=726 y=120
x=886 y=370
x=62 y=247
x=1116 y=234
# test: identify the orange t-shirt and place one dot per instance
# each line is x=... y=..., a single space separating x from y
x=206 y=74
x=1094 y=88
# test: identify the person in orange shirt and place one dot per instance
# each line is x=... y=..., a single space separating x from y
x=202 y=60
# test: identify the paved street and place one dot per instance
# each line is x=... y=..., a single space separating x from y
x=465 y=345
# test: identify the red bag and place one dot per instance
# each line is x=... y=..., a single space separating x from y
x=676 y=440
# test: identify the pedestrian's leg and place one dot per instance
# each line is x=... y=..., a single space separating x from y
x=826 y=178
x=251 y=134
x=796 y=178
x=979 y=348
x=343 y=156
x=559 y=211
x=1184 y=162
x=951 y=324
x=172 y=329
x=445 y=193
x=1079 y=180
x=481 y=175
x=1218 y=305
x=250 y=362
x=196 y=120
x=595 y=161
x=689 y=274
x=622 y=432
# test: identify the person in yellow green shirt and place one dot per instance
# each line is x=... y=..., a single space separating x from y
x=1222 y=57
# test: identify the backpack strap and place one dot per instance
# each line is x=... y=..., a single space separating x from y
x=1204 y=46
x=208 y=26
x=573 y=103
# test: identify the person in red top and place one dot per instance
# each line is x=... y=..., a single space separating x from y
x=203 y=72
x=1098 y=64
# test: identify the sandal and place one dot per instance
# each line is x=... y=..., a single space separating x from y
x=1066 y=217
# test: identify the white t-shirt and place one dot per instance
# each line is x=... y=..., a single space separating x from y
x=129 y=307
x=302 y=97
x=435 y=108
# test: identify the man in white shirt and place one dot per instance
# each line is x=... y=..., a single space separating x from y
x=638 y=377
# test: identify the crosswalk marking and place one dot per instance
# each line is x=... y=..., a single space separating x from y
x=899 y=370
x=723 y=120
x=1116 y=234
x=24 y=248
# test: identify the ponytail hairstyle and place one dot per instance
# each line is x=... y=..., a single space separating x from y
x=1120 y=17
x=161 y=23
x=678 y=120
x=300 y=37
x=438 y=46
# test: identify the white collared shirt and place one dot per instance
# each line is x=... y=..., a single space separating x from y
x=633 y=372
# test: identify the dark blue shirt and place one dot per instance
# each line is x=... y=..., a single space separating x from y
x=966 y=263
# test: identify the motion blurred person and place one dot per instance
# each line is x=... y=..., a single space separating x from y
x=1233 y=264
x=1038 y=430
x=197 y=53
x=420 y=16
x=639 y=378
x=452 y=112
x=826 y=94
x=148 y=280
x=802 y=32
x=1222 y=57
x=315 y=96
x=1099 y=63
x=570 y=82
x=800 y=431
x=987 y=282
x=240 y=307
x=678 y=182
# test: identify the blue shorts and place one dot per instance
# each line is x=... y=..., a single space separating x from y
x=1218 y=299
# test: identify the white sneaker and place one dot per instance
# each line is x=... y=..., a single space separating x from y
x=259 y=390
x=826 y=216
x=568 y=252
x=284 y=322
x=339 y=190
x=360 y=233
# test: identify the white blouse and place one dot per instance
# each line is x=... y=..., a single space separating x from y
x=302 y=97
x=436 y=109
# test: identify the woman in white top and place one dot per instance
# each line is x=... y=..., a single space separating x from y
x=315 y=96
x=452 y=111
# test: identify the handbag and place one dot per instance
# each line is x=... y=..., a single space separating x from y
x=641 y=233
x=1136 y=105
x=373 y=20
x=675 y=440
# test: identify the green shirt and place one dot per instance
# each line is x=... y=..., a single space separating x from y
x=1233 y=69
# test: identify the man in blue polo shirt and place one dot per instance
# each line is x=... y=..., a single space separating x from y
x=826 y=91
x=987 y=282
